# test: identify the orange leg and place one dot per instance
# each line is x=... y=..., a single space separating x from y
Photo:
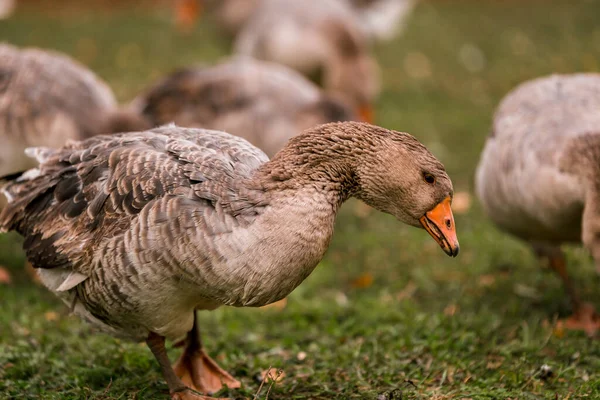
x=184 y=389
x=584 y=315
x=198 y=371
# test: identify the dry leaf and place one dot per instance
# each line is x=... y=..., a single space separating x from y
x=272 y=374
x=450 y=310
x=51 y=316
x=559 y=330
x=494 y=362
x=278 y=305
x=363 y=281
x=461 y=202
x=487 y=280
x=4 y=276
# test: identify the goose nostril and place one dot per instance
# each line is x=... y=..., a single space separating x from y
x=448 y=223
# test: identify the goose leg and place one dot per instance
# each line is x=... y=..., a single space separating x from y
x=177 y=389
x=584 y=315
x=198 y=370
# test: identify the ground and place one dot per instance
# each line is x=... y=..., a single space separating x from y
x=387 y=315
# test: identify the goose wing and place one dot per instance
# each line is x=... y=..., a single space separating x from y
x=105 y=186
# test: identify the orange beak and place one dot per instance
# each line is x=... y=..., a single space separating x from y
x=439 y=223
x=366 y=114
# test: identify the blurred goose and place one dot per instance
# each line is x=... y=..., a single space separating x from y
x=316 y=37
x=382 y=19
x=46 y=99
x=538 y=175
x=136 y=231
x=264 y=103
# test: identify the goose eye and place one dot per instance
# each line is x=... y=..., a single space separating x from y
x=429 y=178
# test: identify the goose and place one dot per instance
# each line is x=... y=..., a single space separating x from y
x=537 y=177
x=265 y=103
x=323 y=37
x=382 y=19
x=46 y=98
x=136 y=231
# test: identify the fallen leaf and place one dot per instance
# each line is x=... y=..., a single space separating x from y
x=4 y=276
x=450 y=310
x=487 y=280
x=559 y=330
x=51 y=316
x=363 y=281
x=278 y=305
x=494 y=362
x=272 y=374
x=461 y=202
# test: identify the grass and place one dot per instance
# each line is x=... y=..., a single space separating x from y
x=480 y=326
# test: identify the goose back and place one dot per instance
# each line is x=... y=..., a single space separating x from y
x=265 y=103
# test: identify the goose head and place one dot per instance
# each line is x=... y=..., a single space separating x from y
x=390 y=171
x=397 y=175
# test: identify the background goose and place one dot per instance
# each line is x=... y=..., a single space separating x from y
x=383 y=19
x=47 y=98
x=264 y=103
x=538 y=177
x=324 y=39
x=136 y=231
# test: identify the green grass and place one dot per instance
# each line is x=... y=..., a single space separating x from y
x=478 y=326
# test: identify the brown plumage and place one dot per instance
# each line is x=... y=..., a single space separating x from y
x=136 y=231
x=321 y=37
x=538 y=177
x=47 y=98
x=262 y=102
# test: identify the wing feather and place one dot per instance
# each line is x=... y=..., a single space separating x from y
x=95 y=189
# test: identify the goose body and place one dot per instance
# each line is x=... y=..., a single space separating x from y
x=521 y=179
x=537 y=178
x=46 y=98
x=137 y=231
x=265 y=103
x=321 y=38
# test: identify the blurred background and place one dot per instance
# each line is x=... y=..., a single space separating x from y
x=386 y=312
